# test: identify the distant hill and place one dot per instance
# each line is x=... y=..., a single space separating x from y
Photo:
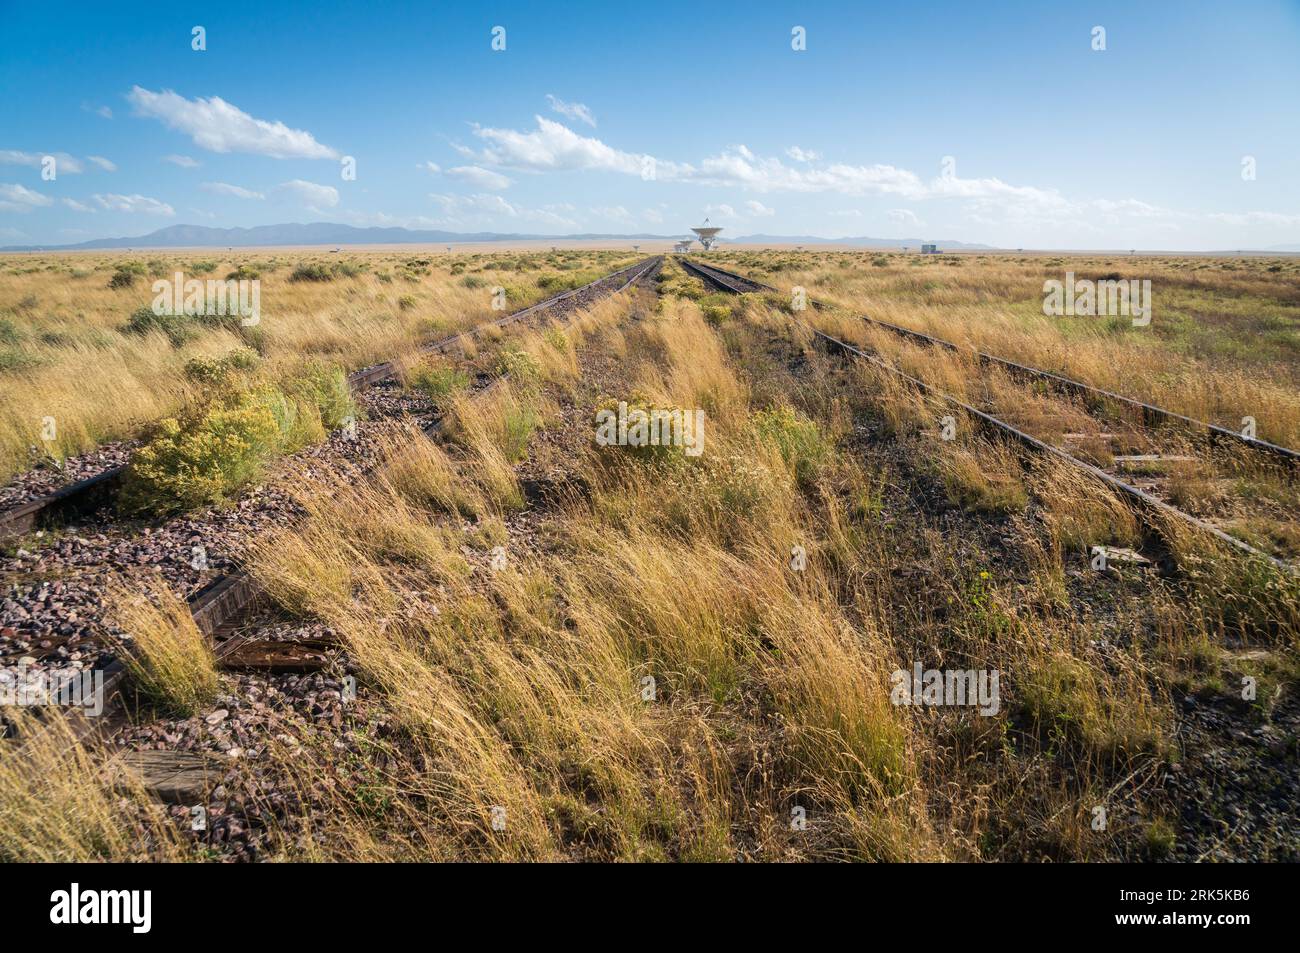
x=863 y=242
x=328 y=233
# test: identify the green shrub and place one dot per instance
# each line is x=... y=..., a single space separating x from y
x=203 y=267
x=229 y=443
x=219 y=371
x=325 y=388
x=439 y=383
x=124 y=275
x=179 y=328
x=520 y=366
x=312 y=273
x=406 y=302
x=800 y=440
x=243 y=273
x=14 y=360
x=202 y=463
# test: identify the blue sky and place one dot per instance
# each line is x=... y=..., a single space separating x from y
x=620 y=118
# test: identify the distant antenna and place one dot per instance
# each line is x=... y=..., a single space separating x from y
x=448 y=248
x=636 y=247
x=798 y=248
x=904 y=248
x=707 y=234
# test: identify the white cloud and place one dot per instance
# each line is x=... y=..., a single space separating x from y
x=571 y=110
x=18 y=198
x=63 y=163
x=313 y=196
x=653 y=215
x=133 y=203
x=726 y=211
x=903 y=216
x=101 y=111
x=615 y=213
x=552 y=147
x=77 y=206
x=802 y=155
x=480 y=208
x=185 y=162
x=235 y=191
x=759 y=209
x=479 y=177
x=103 y=163
x=432 y=167
x=218 y=126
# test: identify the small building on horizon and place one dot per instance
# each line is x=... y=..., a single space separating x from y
x=929 y=249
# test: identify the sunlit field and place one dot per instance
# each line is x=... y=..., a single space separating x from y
x=569 y=651
x=78 y=344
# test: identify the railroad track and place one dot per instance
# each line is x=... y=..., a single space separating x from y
x=90 y=493
x=219 y=605
x=1145 y=502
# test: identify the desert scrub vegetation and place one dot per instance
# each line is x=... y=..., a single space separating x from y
x=1222 y=339
x=97 y=359
x=228 y=442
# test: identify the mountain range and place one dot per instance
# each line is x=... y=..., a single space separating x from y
x=329 y=233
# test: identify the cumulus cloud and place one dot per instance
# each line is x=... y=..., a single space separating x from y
x=103 y=163
x=432 y=167
x=571 y=110
x=18 y=198
x=482 y=208
x=235 y=191
x=185 y=162
x=312 y=195
x=552 y=147
x=478 y=177
x=133 y=203
x=77 y=206
x=759 y=209
x=219 y=126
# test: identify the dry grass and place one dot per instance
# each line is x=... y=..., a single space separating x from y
x=170 y=661
x=64 y=352
x=59 y=802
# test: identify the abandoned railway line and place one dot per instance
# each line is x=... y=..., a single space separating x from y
x=1146 y=500
x=59 y=610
